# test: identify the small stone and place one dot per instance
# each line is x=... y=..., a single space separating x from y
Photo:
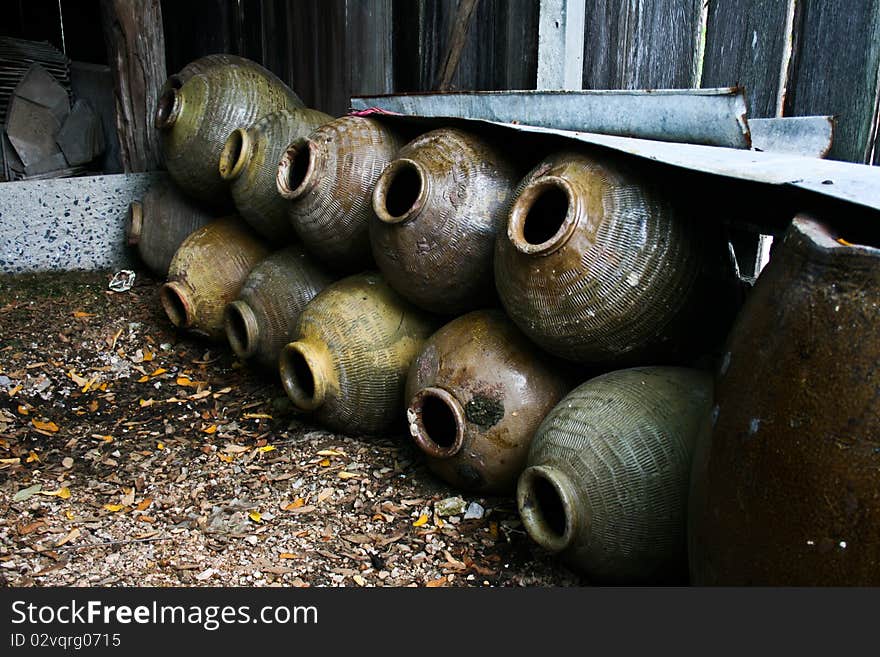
x=67 y=462
x=451 y=506
x=474 y=511
x=205 y=574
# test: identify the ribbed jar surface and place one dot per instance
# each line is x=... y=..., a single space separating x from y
x=371 y=336
x=625 y=442
x=501 y=388
x=785 y=479
x=331 y=199
x=167 y=217
x=256 y=154
x=203 y=64
x=209 y=107
x=438 y=209
x=276 y=291
x=597 y=266
x=209 y=269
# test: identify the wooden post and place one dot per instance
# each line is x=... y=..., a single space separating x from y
x=136 y=54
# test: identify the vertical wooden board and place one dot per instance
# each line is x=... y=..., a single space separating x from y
x=318 y=54
x=745 y=44
x=835 y=68
x=640 y=44
x=196 y=28
x=518 y=24
x=369 y=33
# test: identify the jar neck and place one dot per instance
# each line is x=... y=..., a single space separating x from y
x=401 y=192
x=543 y=216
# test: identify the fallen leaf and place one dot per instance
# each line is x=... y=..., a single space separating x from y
x=113 y=508
x=127 y=497
x=143 y=379
x=226 y=458
x=148 y=355
x=80 y=313
x=440 y=581
x=72 y=536
x=10 y=461
x=256 y=516
x=158 y=371
x=330 y=452
x=69 y=514
x=146 y=519
x=45 y=426
x=22 y=409
x=266 y=448
x=63 y=493
x=360 y=581
x=160 y=445
x=324 y=463
x=324 y=494
x=232 y=448
x=287 y=555
x=211 y=429
x=423 y=520
x=144 y=504
x=93 y=405
x=103 y=439
x=27 y=493
x=33 y=456
x=67 y=462
x=347 y=475
x=297 y=503
x=76 y=378
x=257 y=416
x=146 y=402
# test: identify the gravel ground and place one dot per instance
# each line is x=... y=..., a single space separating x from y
x=133 y=455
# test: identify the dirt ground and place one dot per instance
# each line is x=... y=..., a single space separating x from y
x=134 y=455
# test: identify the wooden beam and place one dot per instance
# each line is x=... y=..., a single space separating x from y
x=561 y=44
x=136 y=54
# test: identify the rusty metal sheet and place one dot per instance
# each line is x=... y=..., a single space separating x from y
x=715 y=117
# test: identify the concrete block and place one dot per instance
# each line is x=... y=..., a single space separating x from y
x=68 y=224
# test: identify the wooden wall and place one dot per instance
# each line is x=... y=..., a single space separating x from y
x=794 y=57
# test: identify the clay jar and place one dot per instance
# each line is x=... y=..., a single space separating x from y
x=203 y=64
x=261 y=321
x=438 y=208
x=595 y=265
x=249 y=163
x=196 y=119
x=207 y=272
x=607 y=479
x=328 y=179
x=354 y=344
x=785 y=476
x=158 y=223
x=477 y=392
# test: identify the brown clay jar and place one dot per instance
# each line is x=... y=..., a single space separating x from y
x=196 y=119
x=249 y=163
x=353 y=345
x=785 y=480
x=477 y=392
x=160 y=221
x=261 y=321
x=328 y=179
x=207 y=272
x=438 y=207
x=203 y=64
x=597 y=266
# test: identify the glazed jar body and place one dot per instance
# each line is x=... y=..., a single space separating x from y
x=607 y=479
x=596 y=266
x=249 y=163
x=328 y=179
x=353 y=345
x=158 y=224
x=477 y=392
x=196 y=120
x=261 y=321
x=204 y=64
x=785 y=477
x=438 y=208
x=207 y=272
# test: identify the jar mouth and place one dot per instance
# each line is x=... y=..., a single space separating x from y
x=823 y=235
x=436 y=422
x=168 y=109
x=543 y=216
x=236 y=154
x=242 y=329
x=401 y=191
x=177 y=303
x=297 y=169
x=135 y=224
x=302 y=375
x=546 y=506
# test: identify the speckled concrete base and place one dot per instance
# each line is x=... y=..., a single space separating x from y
x=68 y=223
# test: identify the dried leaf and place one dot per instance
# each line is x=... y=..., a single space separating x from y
x=128 y=496
x=67 y=462
x=324 y=494
x=360 y=581
x=346 y=475
x=44 y=426
x=287 y=555
x=440 y=581
x=423 y=520
x=63 y=493
x=113 y=508
x=160 y=445
x=103 y=439
x=77 y=379
x=158 y=371
x=210 y=429
x=10 y=461
x=93 y=405
x=148 y=355
x=146 y=402
x=33 y=456
x=232 y=448
x=143 y=379
x=144 y=504
x=72 y=536
x=256 y=516
x=79 y=313
x=27 y=493
x=23 y=410
x=324 y=463
x=297 y=503
x=226 y=458
x=266 y=448
x=330 y=452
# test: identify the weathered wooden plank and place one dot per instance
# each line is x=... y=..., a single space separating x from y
x=136 y=54
x=835 y=65
x=369 y=28
x=745 y=44
x=640 y=44
x=196 y=28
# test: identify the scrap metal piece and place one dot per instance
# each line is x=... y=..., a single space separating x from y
x=81 y=137
x=715 y=117
x=38 y=107
x=122 y=280
x=799 y=135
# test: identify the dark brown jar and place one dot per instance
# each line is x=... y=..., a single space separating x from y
x=785 y=481
x=160 y=221
x=438 y=208
x=606 y=485
x=477 y=392
x=328 y=179
x=263 y=318
x=597 y=266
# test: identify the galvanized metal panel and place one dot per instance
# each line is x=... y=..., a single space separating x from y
x=700 y=116
x=811 y=136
